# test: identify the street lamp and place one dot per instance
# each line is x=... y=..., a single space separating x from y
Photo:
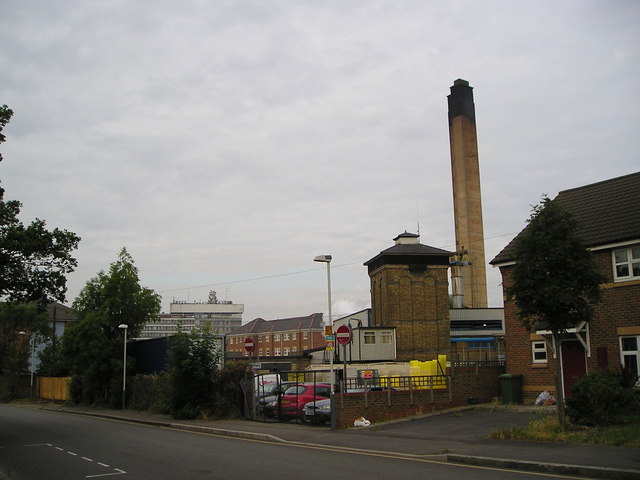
x=327 y=259
x=124 y=368
x=33 y=352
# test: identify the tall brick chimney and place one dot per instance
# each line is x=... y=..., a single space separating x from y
x=467 y=201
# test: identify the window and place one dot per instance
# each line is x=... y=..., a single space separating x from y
x=630 y=354
x=626 y=263
x=266 y=338
x=323 y=391
x=276 y=352
x=267 y=351
x=260 y=351
x=369 y=337
x=539 y=351
x=286 y=351
x=386 y=337
x=276 y=337
x=294 y=349
x=305 y=335
x=293 y=336
x=286 y=337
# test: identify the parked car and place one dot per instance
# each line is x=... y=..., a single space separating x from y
x=265 y=404
x=291 y=403
x=319 y=411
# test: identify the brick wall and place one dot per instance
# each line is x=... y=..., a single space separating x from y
x=480 y=383
x=416 y=302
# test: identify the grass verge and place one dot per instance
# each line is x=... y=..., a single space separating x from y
x=547 y=429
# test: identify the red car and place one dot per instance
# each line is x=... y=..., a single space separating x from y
x=297 y=396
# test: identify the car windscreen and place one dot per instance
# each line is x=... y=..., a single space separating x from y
x=295 y=390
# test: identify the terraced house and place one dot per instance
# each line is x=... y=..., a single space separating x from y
x=608 y=216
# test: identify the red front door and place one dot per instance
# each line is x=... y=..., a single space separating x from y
x=574 y=364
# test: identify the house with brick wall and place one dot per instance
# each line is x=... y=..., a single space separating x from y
x=284 y=338
x=608 y=222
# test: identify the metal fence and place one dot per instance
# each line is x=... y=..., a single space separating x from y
x=264 y=392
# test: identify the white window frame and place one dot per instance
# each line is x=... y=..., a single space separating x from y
x=629 y=262
x=539 y=346
x=386 y=337
x=276 y=337
x=286 y=351
x=630 y=353
x=285 y=337
x=367 y=338
x=276 y=352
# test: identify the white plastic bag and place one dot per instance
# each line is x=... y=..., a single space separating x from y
x=361 y=422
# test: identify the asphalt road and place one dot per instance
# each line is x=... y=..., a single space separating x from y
x=43 y=445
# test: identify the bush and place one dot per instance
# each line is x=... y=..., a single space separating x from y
x=601 y=399
x=229 y=396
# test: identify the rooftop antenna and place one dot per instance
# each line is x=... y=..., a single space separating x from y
x=418 y=215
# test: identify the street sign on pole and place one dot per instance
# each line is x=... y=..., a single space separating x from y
x=249 y=344
x=343 y=335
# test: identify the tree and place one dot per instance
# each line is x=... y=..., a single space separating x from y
x=555 y=281
x=20 y=326
x=92 y=348
x=34 y=261
x=193 y=364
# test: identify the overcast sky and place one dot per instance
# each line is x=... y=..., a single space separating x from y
x=225 y=144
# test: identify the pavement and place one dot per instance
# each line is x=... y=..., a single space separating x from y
x=458 y=436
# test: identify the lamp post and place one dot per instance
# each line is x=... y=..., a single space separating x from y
x=124 y=368
x=327 y=259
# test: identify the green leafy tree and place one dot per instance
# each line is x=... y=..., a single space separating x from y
x=92 y=348
x=19 y=326
x=34 y=261
x=555 y=281
x=193 y=364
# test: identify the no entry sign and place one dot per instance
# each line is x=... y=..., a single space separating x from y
x=343 y=334
x=249 y=345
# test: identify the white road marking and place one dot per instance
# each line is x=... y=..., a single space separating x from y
x=116 y=471
x=119 y=472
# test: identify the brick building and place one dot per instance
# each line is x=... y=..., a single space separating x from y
x=409 y=291
x=608 y=216
x=278 y=338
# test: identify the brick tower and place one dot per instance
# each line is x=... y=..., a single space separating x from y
x=409 y=291
x=467 y=202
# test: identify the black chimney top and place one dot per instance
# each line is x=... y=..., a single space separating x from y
x=461 y=100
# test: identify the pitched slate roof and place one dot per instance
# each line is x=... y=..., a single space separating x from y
x=607 y=212
x=260 y=325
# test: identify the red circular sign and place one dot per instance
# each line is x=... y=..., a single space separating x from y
x=343 y=335
x=249 y=345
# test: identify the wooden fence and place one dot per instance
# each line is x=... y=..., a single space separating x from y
x=53 y=388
